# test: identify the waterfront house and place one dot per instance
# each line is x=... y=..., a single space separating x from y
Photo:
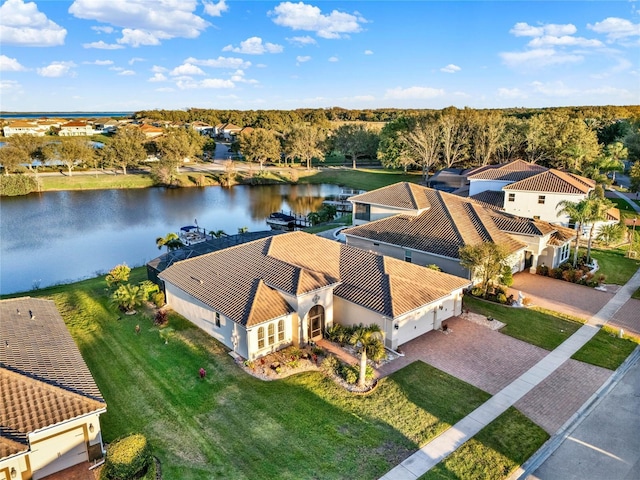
x=288 y=289
x=50 y=406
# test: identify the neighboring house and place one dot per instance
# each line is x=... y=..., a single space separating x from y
x=107 y=126
x=426 y=226
x=288 y=289
x=24 y=127
x=50 y=406
x=227 y=130
x=150 y=131
x=495 y=177
x=75 y=129
x=202 y=128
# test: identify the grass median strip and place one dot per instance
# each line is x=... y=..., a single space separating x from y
x=495 y=452
x=606 y=349
x=232 y=425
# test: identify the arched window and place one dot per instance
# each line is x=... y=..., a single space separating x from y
x=261 y=337
x=272 y=334
x=280 y=330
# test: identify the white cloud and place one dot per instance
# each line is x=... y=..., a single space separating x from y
x=57 y=69
x=103 y=29
x=8 y=64
x=158 y=77
x=511 y=93
x=144 y=22
x=254 y=46
x=540 y=57
x=565 y=40
x=368 y=52
x=99 y=62
x=300 y=16
x=238 y=77
x=553 y=89
x=186 y=69
x=215 y=9
x=24 y=25
x=616 y=28
x=422 y=93
x=303 y=58
x=523 y=29
x=9 y=86
x=220 y=62
x=135 y=59
x=334 y=59
x=102 y=45
x=159 y=69
x=451 y=68
x=302 y=41
x=127 y=73
x=206 y=83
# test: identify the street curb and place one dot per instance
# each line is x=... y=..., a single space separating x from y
x=551 y=445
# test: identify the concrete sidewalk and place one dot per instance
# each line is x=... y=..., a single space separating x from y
x=446 y=443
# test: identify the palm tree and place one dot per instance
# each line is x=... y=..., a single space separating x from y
x=598 y=207
x=171 y=241
x=368 y=340
x=217 y=233
x=129 y=297
x=578 y=212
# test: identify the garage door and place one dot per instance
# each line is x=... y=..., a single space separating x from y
x=57 y=453
x=415 y=327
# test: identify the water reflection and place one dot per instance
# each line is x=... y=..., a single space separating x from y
x=56 y=237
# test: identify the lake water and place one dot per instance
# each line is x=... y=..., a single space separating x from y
x=60 y=237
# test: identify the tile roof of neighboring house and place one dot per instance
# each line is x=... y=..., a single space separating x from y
x=561 y=235
x=73 y=124
x=243 y=280
x=554 y=181
x=613 y=214
x=231 y=126
x=450 y=223
x=41 y=347
x=526 y=226
x=513 y=171
x=22 y=124
x=146 y=128
x=404 y=195
x=29 y=405
x=490 y=198
x=10 y=447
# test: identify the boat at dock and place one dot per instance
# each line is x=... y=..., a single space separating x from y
x=192 y=234
x=281 y=221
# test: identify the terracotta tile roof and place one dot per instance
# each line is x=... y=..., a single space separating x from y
x=513 y=171
x=22 y=124
x=526 y=226
x=41 y=347
x=450 y=223
x=296 y=263
x=561 y=235
x=10 y=447
x=613 y=214
x=554 y=181
x=74 y=124
x=399 y=195
x=490 y=198
x=27 y=405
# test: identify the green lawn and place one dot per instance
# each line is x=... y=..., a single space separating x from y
x=626 y=210
x=96 y=182
x=495 y=452
x=606 y=349
x=617 y=268
x=541 y=328
x=636 y=294
x=231 y=425
x=362 y=179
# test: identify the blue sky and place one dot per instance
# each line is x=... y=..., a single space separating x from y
x=88 y=55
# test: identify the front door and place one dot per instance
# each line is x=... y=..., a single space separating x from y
x=316 y=322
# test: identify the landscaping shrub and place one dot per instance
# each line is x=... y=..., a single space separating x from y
x=127 y=458
x=14 y=185
x=149 y=288
x=158 y=299
x=502 y=298
x=118 y=275
x=350 y=373
x=161 y=318
x=330 y=364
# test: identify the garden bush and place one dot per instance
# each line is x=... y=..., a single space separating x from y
x=14 y=185
x=127 y=458
x=330 y=364
x=158 y=299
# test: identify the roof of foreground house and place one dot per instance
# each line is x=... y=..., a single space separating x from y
x=554 y=181
x=43 y=377
x=246 y=283
x=449 y=223
x=403 y=195
x=513 y=171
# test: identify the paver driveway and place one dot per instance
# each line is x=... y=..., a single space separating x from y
x=478 y=355
x=576 y=300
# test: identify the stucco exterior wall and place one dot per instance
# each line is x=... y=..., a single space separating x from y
x=526 y=204
x=252 y=336
x=448 y=265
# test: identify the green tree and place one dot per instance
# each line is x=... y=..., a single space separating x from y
x=355 y=141
x=486 y=135
x=126 y=150
x=598 y=206
x=70 y=151
x=422 y=142
x=304 y=143
x=455 y=133
x=260 y=145
x=128 y=297
x=117 y=275
x=178 y=145
x=368 y=341
x=579 y=213
x=392 y=152
x=171 y=241
x=611 y=233
x=485 y=261
x=20 y=151
x=634 y=177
